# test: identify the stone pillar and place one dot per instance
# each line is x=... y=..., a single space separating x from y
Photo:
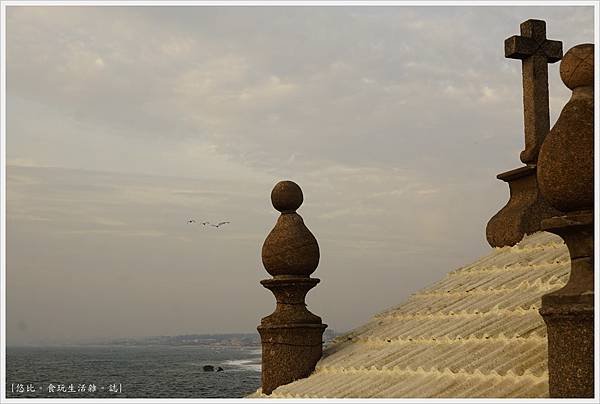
x=526 y=207
x=566 y=180
x=291 y=336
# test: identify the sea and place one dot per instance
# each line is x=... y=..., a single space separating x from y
x=109 y=371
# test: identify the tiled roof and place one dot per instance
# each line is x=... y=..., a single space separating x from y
x=475 y=333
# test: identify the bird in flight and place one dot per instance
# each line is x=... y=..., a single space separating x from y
x=219 y=224
x=191 y=221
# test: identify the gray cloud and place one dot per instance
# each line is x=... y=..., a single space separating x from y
x=124 y=121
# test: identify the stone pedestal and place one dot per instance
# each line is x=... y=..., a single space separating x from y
x=569 y=312
x=289 y=352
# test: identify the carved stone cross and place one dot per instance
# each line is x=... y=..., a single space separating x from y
x=536 y=52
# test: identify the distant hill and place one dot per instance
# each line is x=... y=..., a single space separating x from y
x=252 y=339
x=191 y=339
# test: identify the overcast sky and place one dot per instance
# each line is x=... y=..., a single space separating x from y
x=124 y=122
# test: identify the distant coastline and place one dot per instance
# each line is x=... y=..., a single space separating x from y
x=225 y=340
x=207 y=340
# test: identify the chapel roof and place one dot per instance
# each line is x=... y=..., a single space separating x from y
x=475 y=333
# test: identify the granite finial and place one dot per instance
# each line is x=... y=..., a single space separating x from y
x=566 y=162
x=291 y=336
x=290 y=249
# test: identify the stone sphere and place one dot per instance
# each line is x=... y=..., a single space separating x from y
x=286 y=196
x=577 y=66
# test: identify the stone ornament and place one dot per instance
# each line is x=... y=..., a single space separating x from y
x=566 y=167
x=291 y=336
x=523 y=212
x=566 y=180
x=290 y=248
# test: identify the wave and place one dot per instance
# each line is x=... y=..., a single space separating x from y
x=250 y=364
x=255 y=351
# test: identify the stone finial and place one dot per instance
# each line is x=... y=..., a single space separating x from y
x=566 y=174
x=291 y=336
x=290 y=248
x=526 y=208
x=577 y=68
x=286 y=196
x=566 y=180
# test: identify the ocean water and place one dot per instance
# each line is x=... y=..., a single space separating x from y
x=108 y=371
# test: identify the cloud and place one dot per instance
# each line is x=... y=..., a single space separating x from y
x=312 y=78
x=21 y=162
x=123 y=122
x=113 y=233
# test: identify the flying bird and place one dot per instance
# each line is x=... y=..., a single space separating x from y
x=191 y=221
x=219 y=224
x=205 y=223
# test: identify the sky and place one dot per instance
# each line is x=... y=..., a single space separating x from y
x=125 y=122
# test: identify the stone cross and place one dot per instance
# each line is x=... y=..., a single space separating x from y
x=536 y=52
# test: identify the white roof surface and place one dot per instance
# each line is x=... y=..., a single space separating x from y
x=475 y=333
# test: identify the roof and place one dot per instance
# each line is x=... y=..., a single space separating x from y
x=475 y=333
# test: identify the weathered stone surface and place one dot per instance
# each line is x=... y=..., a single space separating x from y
x=523 y=212
x=566 y=166
x=291 y=336
x=290 y=248
x=569 y=312
x=286 y=196
x=536 y=52
x=290 y=294
x=571 y=353
x=577 y=69
x=566 y=179
x=526 y=207
x=289 y=353
x=577 y=230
